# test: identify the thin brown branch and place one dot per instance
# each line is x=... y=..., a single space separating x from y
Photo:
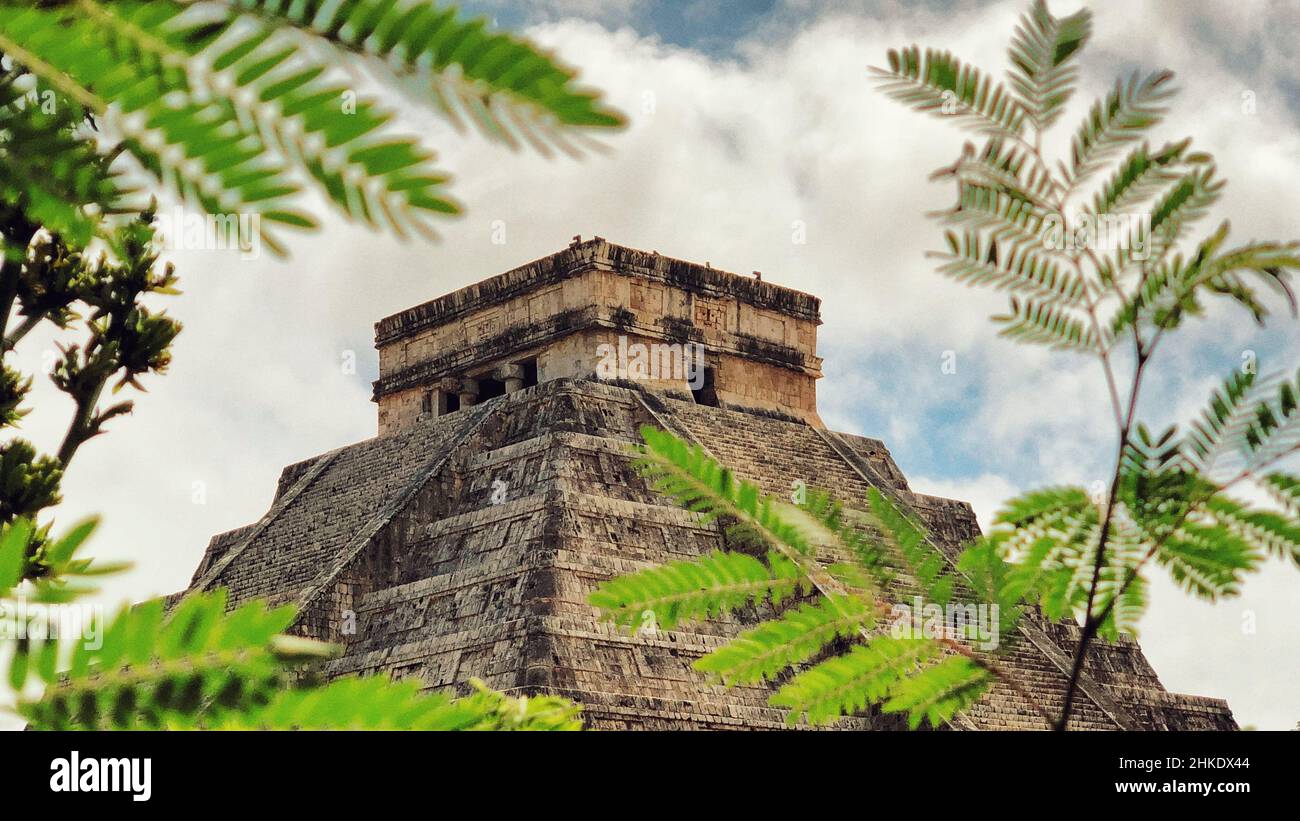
x=79 y=429
x=11 y=341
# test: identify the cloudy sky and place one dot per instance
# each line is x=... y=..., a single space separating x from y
x=747 y=120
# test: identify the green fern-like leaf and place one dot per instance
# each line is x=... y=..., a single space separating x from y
x=201 y=667
x=850 y=533
x=214 y=159
x=1175 y=288
x=761 y=653
x=1270 y=262
x=1118 y=119
x=940 y=84
x=1121 y=589
x=1049 y=537
x=1010 y=220
x=153 y=672
x=702 y=588
x=938 y=692
x=1037 y=322
x=1139 y=176
x=49 y=167
x=1264 y=530
x=923 y=561
x=885 y=671
x=14 y=540
x=225 y=104
x=375 y=703
x=1042 y=54
x=343 y=143
x=1007 y=167
x=501 y=85
x=53 y=571
x=1168 y=291
x=1208 y=559
x=1045 y=508
x=989 y=575
x=687 y=474
x=1275 y=430
x=1157 y=486
x=1285 y=488
x=872 y=545
x=1223 y=421
x=1021 y=269
x=1185 y=203
x=1250 y=423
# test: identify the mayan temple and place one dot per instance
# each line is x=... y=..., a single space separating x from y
x=463 y=540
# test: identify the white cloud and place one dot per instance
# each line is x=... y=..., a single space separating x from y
x=985 y=493
x=604 y=11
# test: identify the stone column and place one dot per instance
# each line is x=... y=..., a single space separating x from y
x=468 y=392
x=512 y=375
x=446 y=387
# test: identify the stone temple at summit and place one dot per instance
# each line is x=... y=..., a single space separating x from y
x=464 y=539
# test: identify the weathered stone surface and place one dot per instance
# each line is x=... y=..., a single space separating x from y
x=465 y=544
x=557 y=312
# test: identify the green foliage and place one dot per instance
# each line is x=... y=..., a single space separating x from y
x=763 y=652
x=1274 y=430
x=1139 y=177
x=1286 y=489
x=1022 y=268
x=1186 y=202
x=1042 y=60
x=154 y=673
x=938 y=691
x=232 y=106
x=1041 y=322
x=122 y=341
x=1249 y=422
x=707 y=587
x=1222 y=421
x=1208 y=559
x=1058 y=549
x=1130 y=109
x=1047 y=538
x=990 y=578
x=241 y=109
x=493 y=81
x=200 y=667
x=687 y=474
x=940 y=84
x=1003 y=165
x=55 y=572
x=373 y=703
x=857 y=535
x=1011 y=219
x=44 y=165
x=29 y=482
x=849 y=683
x=1173 y=290
x=910 y=545
x=878 y=547
x=902 y=675
x=1091 y=285
x=1071 y=286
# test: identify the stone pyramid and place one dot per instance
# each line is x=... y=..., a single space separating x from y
x=464 y=539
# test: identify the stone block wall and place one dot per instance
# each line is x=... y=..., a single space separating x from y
x=466 y=547
x=555 y=313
